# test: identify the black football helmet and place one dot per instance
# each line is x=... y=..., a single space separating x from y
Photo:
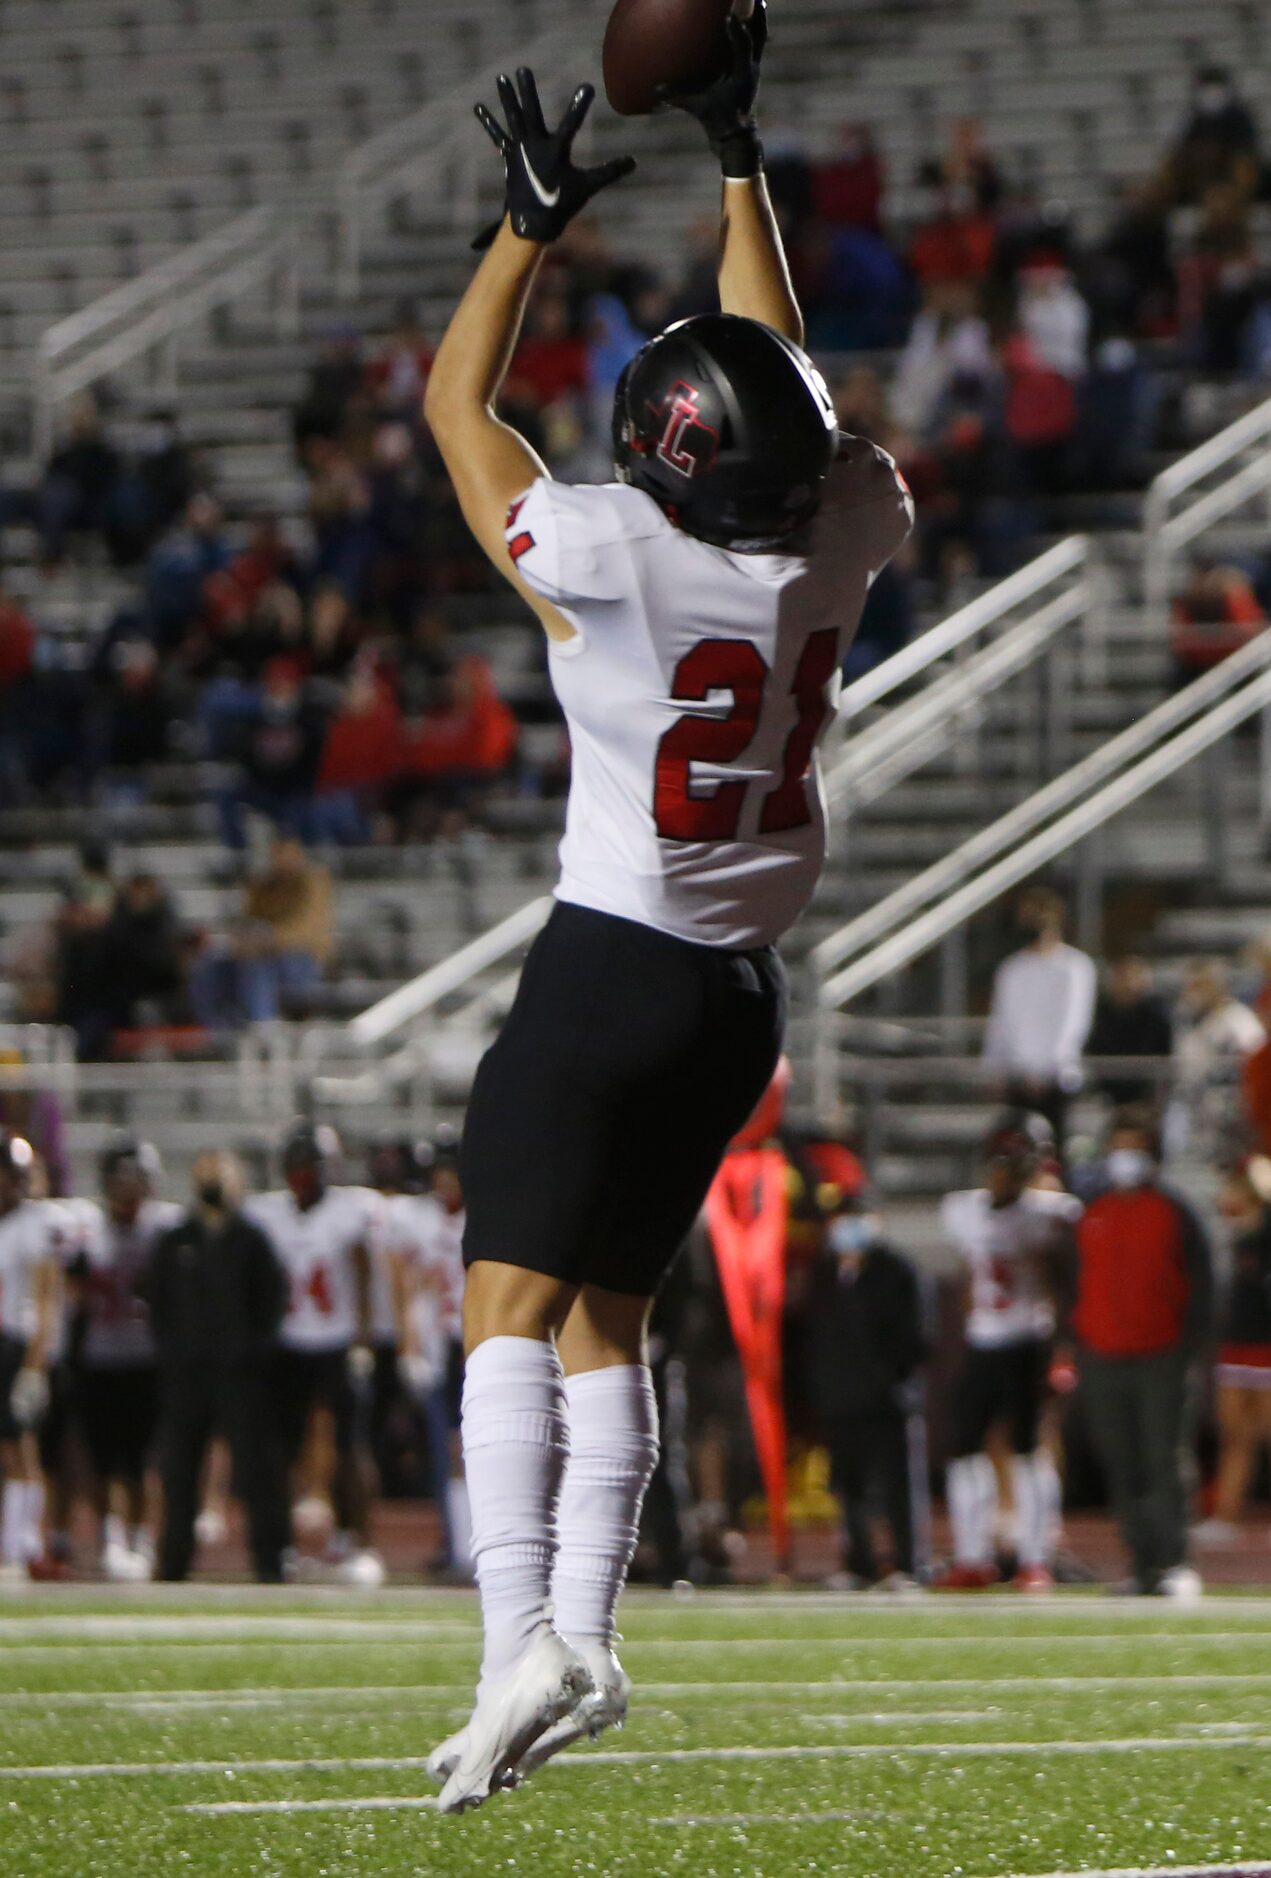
x=1023 y=1138
x=730 y=428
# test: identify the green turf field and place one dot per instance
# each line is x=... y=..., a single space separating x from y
x=224 y=1732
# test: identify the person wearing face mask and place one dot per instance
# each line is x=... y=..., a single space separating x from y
x=866 y=1344
x=1041 y=1012
x=217 y=1294
x=1218 y=144
x=1243 y=1374
x=1144 y=1287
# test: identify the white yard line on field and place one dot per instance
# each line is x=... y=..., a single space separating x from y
x=633 y=1757
x=172 y=1701
x=1261 y=1868
x=64 y=1638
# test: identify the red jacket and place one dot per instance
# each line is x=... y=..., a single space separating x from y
x=1143 y=1276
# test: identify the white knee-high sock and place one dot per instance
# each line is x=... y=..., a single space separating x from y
x=613 y=1450
x=515 y=1442
x=1037 y=1503
x=33 y=1521
x=12 y=1522
x=972 y=1489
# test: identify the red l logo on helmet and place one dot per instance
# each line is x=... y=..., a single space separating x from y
x=689 y=444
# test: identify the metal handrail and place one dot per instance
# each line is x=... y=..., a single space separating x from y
x=410 y=1001
x=1164 y=532
x=892 y=748
x=149 y=313
x=980 y=890
x=956 y=632
x=1020 y=822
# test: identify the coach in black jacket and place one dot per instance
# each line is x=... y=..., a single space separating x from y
x=217 y=1295
x=866 y=1343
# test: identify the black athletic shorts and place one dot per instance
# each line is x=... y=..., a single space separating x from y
x=601 y=1113
x=305 y=1380
x=57 y=1430
x=1006 y=1386
x=12 y=1355
x=118 y=1411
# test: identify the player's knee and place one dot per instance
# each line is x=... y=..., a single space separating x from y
x=506 y=1301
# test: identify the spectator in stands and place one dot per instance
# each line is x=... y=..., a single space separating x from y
x=1042 y=1009
x=17 y=662
x=399 y=371
x=144 y=956
x=180 y=564
x=1218 y=1037
x=1131 y=1019
x=1218 y=144
x=458 y=736
x=130 y=705
x=336 y=377
x=1220 y=282
x=866 y=1341
x=1054 y=317
x=280 y=739
x=847 y=191
x=955 y=237
x=1143 y=1307
x=1216 y=613
x=948 y=348
x=1130 y=273
x=359 y=757
x=1244 y=1358
x=78 y=494
x=273 y=959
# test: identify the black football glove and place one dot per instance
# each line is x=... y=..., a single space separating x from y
x=726 y=108
x=546 y=189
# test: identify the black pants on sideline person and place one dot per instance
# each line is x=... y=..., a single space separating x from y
x=197 y=1402
x=1135 y=1411
x=870 y=1453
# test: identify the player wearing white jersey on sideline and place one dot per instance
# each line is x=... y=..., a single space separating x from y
x=425 y=1232
x=1008 y=1234
x=698 y=612
x=322 y=1234
x=30 y=1287
x=115 y=1369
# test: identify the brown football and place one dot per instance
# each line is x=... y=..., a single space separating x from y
x=662 y=42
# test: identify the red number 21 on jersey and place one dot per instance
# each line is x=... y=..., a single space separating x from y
x=737 y=666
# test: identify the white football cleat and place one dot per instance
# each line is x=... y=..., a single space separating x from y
x=211 y=1526
x=123 y=1567
x=549 y=1682
x=446 y=1757
x=1183 y=1584
x=363 y=1569
x=606 y=1707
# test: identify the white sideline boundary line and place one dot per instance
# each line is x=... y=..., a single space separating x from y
x=652 y=1757
x=1261 y=1868
x=194 y=1699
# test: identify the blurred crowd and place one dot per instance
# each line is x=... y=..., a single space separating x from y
x=1008 y=364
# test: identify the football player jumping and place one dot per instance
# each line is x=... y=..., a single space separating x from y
x=698 y=611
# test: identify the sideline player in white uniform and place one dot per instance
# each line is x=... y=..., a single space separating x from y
x=425 y=1231
x=698 y=612
x=30 y=1302
x=116 y=1375
x=1008 y=1234
x=322 y=1234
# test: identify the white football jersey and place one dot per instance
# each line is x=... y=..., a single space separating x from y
x=697 y=689
x=1003 y=1248
x=27 y=1240
x=316 y=1251
x=431 y=1240
x=116 y=1320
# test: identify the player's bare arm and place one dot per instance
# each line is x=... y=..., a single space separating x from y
x=754 y=278
x=490 y=463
